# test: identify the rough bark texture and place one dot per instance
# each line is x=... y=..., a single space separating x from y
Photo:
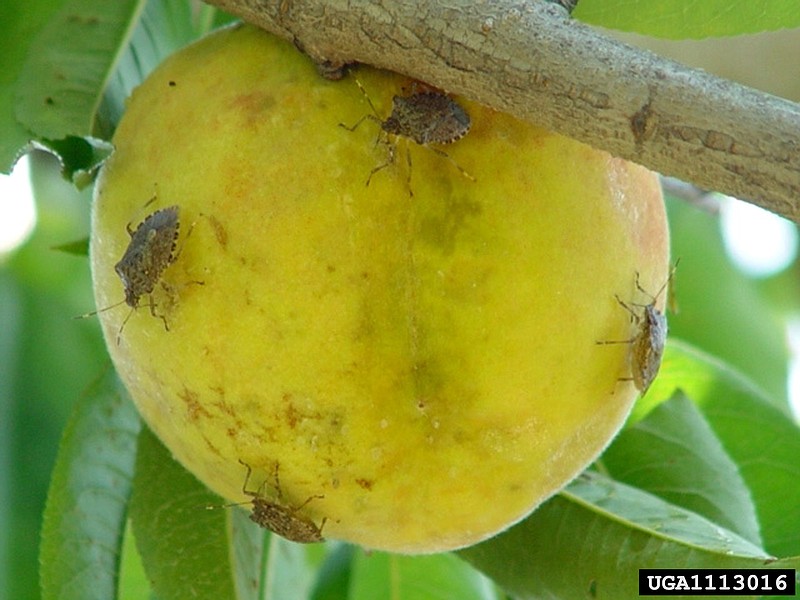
x=529 y=58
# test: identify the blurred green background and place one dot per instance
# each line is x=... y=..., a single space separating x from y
x=48 y=358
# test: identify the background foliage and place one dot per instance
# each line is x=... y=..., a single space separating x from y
x=705 y=474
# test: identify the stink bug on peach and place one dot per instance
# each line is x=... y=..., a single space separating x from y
x=425 y=117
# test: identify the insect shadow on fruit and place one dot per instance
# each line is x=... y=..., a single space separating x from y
x=279 y=518
x=151 y=250
x=424 y=117
x=647 y=345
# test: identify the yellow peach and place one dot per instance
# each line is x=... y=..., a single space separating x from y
x=413 y=361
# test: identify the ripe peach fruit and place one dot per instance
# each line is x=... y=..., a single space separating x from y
x=423 y=368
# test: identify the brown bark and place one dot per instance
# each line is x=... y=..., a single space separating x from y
x=530 y=59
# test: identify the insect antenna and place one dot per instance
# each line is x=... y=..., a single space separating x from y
x=104 y=309
x=99 y=310
x=231 y=505
x=375 y=116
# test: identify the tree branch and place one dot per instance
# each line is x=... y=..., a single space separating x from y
x=530 y=59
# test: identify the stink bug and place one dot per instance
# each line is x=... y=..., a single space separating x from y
x=279 y=518
x=150 y=251
x=426 y=117
x=647 y=345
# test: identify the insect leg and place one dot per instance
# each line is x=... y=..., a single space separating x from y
x=155 y=314
x=246 y=478
x=309 y=499
x=121 y=327
x=183 y=243
x=357 y=123
x=146 y=204
x=390 y=161
x=634 y=316
x=603 y=342
x=408 y=176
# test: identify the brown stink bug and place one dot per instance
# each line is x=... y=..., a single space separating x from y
x=647 y=346
x=150 y=251
x=425 y=117
x=279 y=518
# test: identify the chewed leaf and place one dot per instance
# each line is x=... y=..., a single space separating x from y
x=80 y=157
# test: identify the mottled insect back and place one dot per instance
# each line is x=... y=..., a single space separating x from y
x=151 y=249
x=425 y=117
x=281 y=519
x=647 y=345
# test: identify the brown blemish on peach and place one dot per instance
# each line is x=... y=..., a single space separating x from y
x=225 y=408
x=194 y=409
x=211 y=446
x=365 y=484
x=252 y=106
x=291 y=414
x=220 y=233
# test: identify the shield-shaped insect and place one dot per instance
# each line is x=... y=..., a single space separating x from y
x=425 y=117
x=647 y=345
x=279 y=518
x=150 y=251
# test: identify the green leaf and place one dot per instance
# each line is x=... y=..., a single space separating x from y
x=289 y=573
x=674 y=454
x=19 y=22
x=592 y=538
x=333 y=578
x=68 y=65
x=191 y=551
x=439 y=576
x=80 y=157
x=183 y=545
x=84 y=519
x=762 y=439
x=250 y=551
x=133 y=582
x=679 y=19
x=10 y=360
x=164 y=27
x=723 y=312
x=78 y=247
